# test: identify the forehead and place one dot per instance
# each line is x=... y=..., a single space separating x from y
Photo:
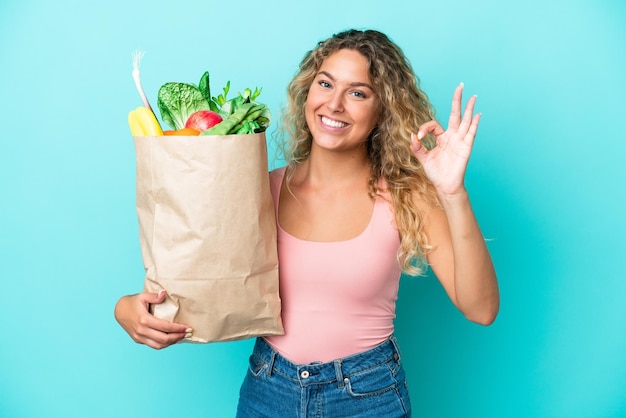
x=347 y=65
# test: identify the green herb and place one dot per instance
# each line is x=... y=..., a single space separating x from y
x=219 y=101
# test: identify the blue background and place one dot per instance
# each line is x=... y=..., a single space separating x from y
x=546 y=178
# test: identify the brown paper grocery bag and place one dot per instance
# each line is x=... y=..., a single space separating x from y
x=208 y=234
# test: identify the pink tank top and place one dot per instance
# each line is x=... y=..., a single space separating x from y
x=338 y=298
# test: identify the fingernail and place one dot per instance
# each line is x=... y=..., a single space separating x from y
x=160 y=293
x=188 y=335
x=420 y=135
x=462 y=84
x=188 y=330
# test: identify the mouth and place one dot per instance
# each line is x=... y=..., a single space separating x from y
x=331 y=123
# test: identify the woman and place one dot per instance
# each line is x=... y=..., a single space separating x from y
x=374 y=186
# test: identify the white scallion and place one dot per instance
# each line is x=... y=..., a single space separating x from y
x=137 y=55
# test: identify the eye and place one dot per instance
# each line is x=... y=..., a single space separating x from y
x=359 y=94
x=324 y=84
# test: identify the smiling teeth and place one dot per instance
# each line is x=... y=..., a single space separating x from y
x=333 y=123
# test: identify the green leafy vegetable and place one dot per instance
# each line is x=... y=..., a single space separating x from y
x=241 y=114
x=205 y=87
x=219 y=101
x=231 y=122
x=255 y=119
x=177 y=101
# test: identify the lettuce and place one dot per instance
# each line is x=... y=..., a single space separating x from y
x=178 y=101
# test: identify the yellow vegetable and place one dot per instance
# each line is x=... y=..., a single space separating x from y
x=135 y=127
x=143 y=122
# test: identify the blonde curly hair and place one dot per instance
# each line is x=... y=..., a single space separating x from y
x=404 y=107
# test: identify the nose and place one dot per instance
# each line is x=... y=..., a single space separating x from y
x=335 y=102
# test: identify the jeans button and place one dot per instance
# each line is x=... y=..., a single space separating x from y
x=304 y=374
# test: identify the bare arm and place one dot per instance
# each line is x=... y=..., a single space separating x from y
x=460 y=260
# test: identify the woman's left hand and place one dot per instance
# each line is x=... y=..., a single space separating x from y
x=445 y=164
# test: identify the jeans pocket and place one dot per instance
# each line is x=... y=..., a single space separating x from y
x=257 y=365
x=371 y=382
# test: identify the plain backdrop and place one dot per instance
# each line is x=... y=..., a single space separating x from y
x=546 y=180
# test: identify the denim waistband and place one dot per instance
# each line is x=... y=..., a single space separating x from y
x=336 y=370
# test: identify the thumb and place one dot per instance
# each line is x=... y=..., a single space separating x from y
x=153 y=298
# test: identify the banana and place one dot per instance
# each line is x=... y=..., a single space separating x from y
x=143 y=122
x=135 y=127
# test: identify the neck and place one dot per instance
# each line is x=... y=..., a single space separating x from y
x=325 y=169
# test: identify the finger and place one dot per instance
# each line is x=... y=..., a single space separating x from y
x=151 y=322
x=455 y=112
x=152 y=298
x=153 y=344
x=160 y=340
x=430 y=127
x=418 y=149
x=158 y=333
x=147 y=320
x=471 y=133
x=468 y=114
x=159 y=343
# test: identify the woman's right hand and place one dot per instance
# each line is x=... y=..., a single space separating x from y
x=144 y=328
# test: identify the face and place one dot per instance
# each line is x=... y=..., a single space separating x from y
x=341 y=108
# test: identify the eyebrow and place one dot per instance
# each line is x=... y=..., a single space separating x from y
x=354 y=84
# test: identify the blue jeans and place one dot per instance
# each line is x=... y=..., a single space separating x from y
x=368 y=384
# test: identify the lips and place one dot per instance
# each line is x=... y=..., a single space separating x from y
x=331 y=123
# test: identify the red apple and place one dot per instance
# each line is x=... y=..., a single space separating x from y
x=203 y=120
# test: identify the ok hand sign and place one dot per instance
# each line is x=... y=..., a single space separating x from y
x=446 y=163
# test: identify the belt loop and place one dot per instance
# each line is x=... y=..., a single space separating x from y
x=339 y=374
x=270 y=363
x=396 y=348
